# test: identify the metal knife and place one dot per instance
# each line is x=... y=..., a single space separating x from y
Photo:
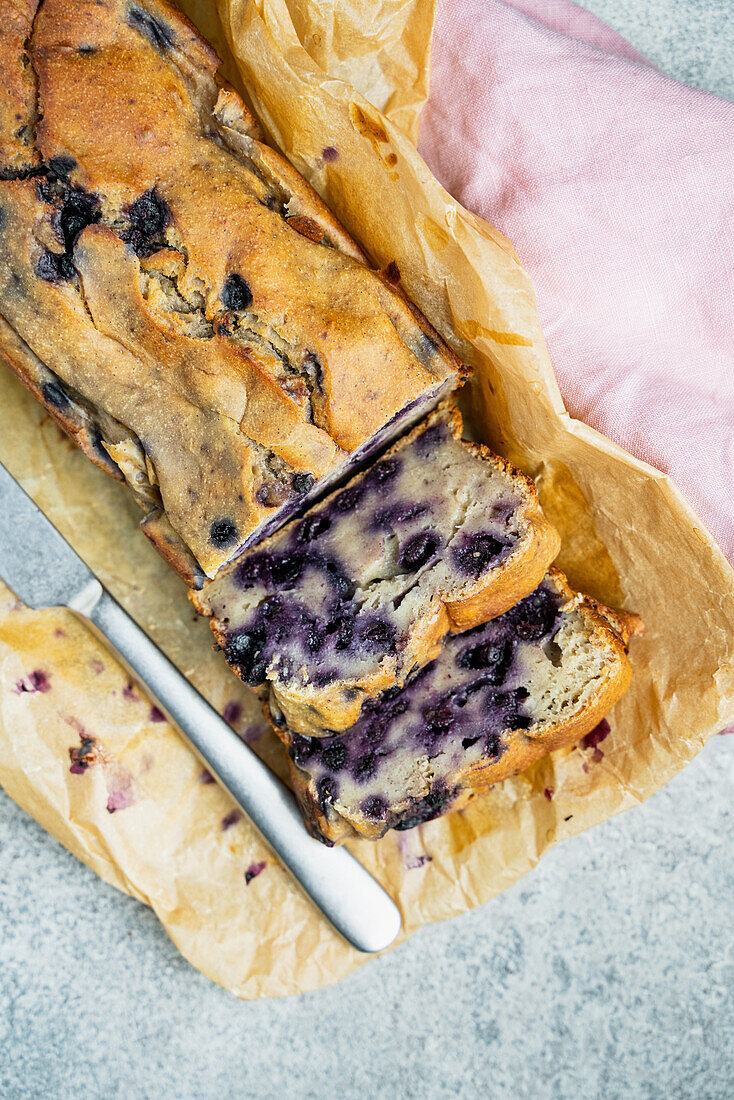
x=44 y=571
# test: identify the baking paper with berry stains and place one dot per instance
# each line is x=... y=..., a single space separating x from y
x=92 y=760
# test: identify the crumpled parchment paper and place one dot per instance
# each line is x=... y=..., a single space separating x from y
x=131 y=801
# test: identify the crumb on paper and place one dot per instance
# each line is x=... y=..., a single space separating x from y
x=83 y=755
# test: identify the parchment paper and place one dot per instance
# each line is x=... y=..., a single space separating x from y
x=141 y=813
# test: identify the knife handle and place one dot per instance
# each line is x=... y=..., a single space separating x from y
x=343 y=890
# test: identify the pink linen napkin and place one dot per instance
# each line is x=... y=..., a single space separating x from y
x=616 y=186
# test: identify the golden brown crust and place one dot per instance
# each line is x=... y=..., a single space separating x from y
x=17 y=90
x=523 y=748
x=231 y=392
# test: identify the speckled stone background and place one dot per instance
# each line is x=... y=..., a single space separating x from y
x=608 y=972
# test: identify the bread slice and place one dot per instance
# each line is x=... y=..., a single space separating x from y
x=437 y=536
x=177 y=296
x=496 y=699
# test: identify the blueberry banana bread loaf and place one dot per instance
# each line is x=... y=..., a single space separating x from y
x=173 y=291
x=437 y=535
x=496 y=699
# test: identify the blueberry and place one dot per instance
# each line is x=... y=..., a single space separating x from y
x=78 y=210
x=377 y=636
x=302 y=483
x=348 y=500
x=60 y=167
x=493 y=745
x=55 y=394
x=286 y=569
x=334 y=756
x=476 y=552
x=493 y=656
x=430 y=439
x=467 y=742
x=302 y=749
x=244 y=651
x=384 y=471
x=344 y=632
x=253 y=570
x=148 y=216
x=55 y=267
x=266 y=495
x=27 y=173
x=341 y=583
x=520 y=722
x=236 y=294
x=364 y=767
x=311 y=527
x=534 y=616
x=418 y=550
x=374 y=807
x=223 y=532
x=155 y=30
x=424 y=809
x=440 y=718
x=327 y=789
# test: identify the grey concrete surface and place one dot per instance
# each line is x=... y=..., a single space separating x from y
x=608 y=972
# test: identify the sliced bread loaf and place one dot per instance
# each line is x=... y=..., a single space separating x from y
x=497 y=698
x=438 y=535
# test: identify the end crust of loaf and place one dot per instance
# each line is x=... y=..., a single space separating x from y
x=607 y=630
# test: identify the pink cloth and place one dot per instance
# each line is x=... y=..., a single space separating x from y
x=616 y=186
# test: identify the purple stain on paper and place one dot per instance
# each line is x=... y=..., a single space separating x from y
x=205 y=777
x=251 y=734
x=128 y=692
x=597 y=735
x=412 y=859
x=38 y=680
x=156 y=715
x=253 y=871
x=330 y=153
x=120 y=788
x=231 y=819
x=96 y=666
x=232 y=712
x=59 y=633
x=549 y=792
x=593 y=739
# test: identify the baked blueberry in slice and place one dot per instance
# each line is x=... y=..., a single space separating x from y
x=453 y=729
x=370 y=573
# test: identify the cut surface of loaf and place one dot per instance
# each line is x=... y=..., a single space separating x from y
x=496 y=699
x=175 y=294
x=437 y=535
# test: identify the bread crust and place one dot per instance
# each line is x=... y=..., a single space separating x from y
x=607 y=628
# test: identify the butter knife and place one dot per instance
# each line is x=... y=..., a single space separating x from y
x=44 y=571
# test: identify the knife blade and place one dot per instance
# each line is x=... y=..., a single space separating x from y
x=44 y=571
